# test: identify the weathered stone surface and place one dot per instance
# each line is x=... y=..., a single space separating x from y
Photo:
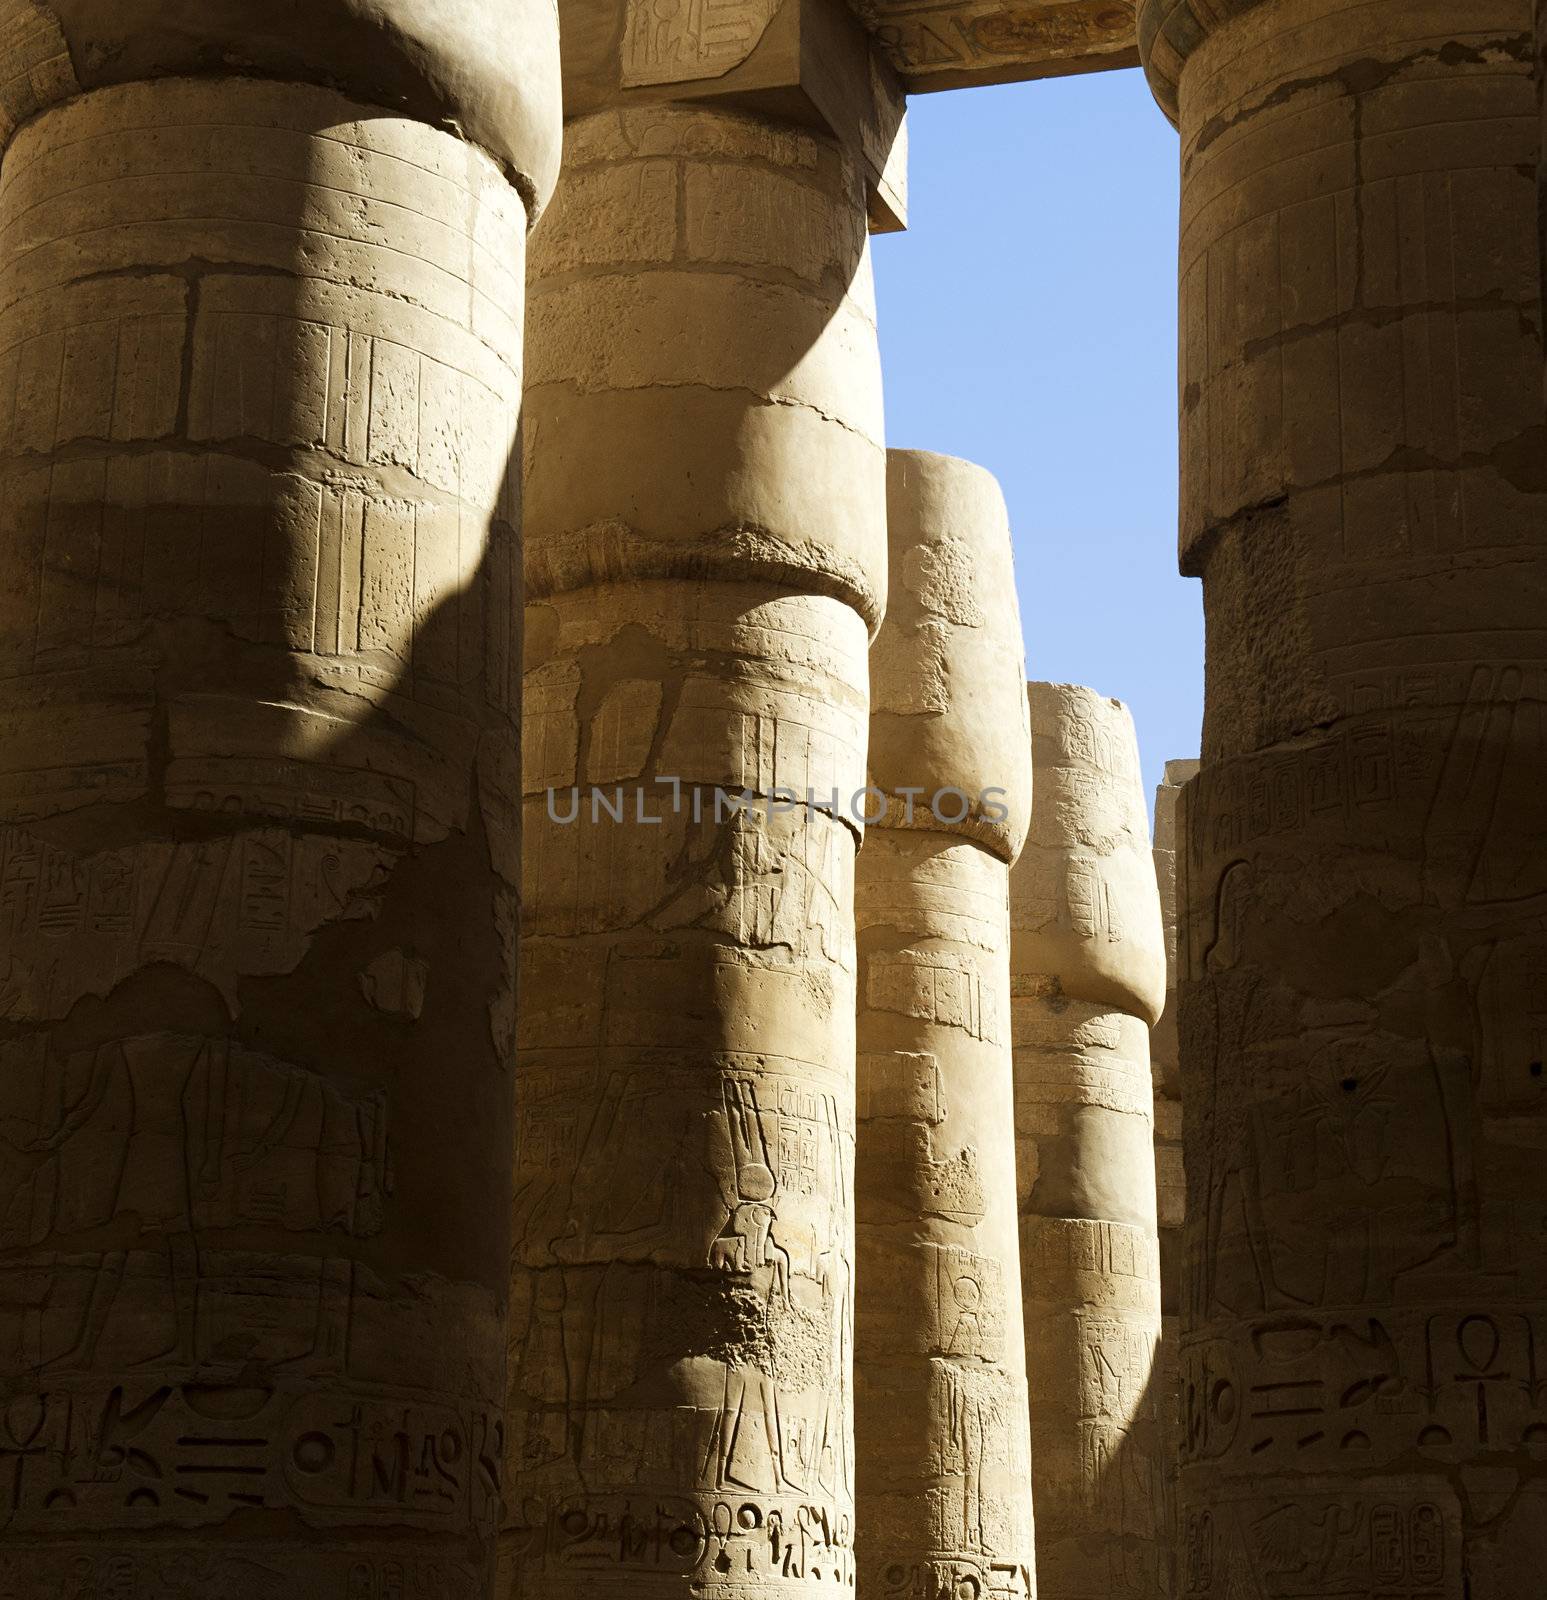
x=719 y=47
x=1168 y=33
x=1540 y=73
x=941 y=1431
x=1365 y=862
x=959 y=44
x=836 y=66
x=706 y=553
x=943 y=719
x=808 y=62
x=432 y=61
x=260 y=376
x=1088 y=977
x=1086 y=907
x=1170 y=1177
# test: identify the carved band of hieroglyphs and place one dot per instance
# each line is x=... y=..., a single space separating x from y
x=143 y=1453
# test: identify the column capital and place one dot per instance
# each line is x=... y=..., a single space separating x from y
x=1084 y=902
x=804 y=61
x=948 y=706
x=1169 y=32
x=485 y=69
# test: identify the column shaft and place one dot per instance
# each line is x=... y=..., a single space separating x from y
x=1089 y=978
x=260 y=375
x=1170 y=1170
x=705 y=500
x=942 y=1437
x=1366 y=856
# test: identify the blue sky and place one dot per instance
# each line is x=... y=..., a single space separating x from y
x=1028 y=322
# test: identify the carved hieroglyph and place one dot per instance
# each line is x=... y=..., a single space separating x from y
x=941 y=1432
x=1088 y=975
x=260 y=373
x=958 y=44
x=1364 y=949
x=682 y=41
x=705 y=557
x=930 y=44
x=1170 y=1181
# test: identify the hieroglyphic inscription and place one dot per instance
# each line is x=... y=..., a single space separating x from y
x=948 y=990
x=681 y=1355
x=133 y=1454
x=1386 y=1540
x=679 y=41
x=1446 y=1383
x=259 y=382
x=173 y=1137
x=934 y=45
x=1366 y=876
x=772 y=1166
x=245 y=904
x=941 y=1420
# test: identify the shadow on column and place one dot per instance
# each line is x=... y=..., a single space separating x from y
x=259 y=668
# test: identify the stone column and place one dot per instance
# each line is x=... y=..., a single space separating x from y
x=942 y=1441
x=1365 y=925
x=1088 y=975
x=260 y=375
x=705 y=562
x=1170 y=1177
x=1540 y=75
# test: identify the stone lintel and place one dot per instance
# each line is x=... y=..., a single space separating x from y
x=964 y=44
